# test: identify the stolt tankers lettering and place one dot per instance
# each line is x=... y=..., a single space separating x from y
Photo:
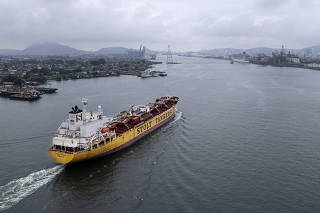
x=86 y=135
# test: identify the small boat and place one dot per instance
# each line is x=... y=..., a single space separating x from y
x=145 y=74
x=162 y=74
x=46 y=90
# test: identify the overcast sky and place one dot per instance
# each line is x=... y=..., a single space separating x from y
x=185 y=24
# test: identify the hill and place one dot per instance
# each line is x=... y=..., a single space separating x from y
x=314 y=50
x=112 y=50
x=51 y=48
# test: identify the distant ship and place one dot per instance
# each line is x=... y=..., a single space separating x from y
x=149 y=74
x=20 y=94
x=151 y=57
x=145 y=74
x=86 y=135
x=241 y=61
x=242 y=58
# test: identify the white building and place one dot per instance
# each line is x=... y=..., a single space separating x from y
x=294 y=59
x=313 y=65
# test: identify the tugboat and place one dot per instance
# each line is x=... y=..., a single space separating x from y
x=86 y=135
x=162 y=74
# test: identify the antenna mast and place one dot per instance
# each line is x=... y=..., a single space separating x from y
x=169 y=56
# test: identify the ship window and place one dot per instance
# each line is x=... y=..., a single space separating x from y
x=94 y=146
x=101 y=143
x=107 y=140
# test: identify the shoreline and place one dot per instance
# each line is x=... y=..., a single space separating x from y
x=294 y=66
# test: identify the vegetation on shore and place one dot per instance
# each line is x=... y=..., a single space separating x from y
x=39 y=70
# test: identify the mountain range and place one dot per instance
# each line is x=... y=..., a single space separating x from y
x=51 y=48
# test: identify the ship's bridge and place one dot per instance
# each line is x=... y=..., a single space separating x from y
x=80 y=127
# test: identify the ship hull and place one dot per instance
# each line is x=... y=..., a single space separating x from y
x=119 y=143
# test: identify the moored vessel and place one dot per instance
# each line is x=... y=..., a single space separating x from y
x=26 y=94
x=86 y=135
x=241 y=61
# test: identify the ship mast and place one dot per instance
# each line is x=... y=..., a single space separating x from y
x=84 y=108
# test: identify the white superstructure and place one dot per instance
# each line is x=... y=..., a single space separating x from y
x=81 y=127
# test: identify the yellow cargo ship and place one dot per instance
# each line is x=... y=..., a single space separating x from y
x=87 y=135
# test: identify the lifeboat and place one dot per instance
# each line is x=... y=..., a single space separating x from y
x=105 y=130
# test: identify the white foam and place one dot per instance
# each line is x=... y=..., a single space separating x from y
x=16 y=190
x=178 y=116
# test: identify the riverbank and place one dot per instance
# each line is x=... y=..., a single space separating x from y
x=309 y=66
x=22 y=76
x=38 y=70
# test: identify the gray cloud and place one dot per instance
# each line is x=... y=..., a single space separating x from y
x=202 y=24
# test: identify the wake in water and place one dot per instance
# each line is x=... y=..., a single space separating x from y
x=178 y=116
x=16 y=190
